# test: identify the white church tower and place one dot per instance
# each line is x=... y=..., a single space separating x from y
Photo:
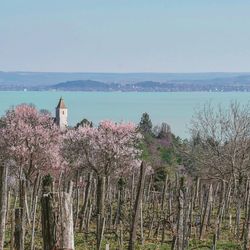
x=61 y=114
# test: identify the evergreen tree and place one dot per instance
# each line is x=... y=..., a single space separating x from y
x=145 y=125
x=84 y=122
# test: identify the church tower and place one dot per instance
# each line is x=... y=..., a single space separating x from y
x=61 y=114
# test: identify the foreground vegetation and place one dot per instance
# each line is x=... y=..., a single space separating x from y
x=120 y=186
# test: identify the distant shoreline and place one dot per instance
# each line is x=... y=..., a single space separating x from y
x=129 y=82
x=116 y=91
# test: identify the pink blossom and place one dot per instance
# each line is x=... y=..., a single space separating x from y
x=109 y=149
x=31 y=139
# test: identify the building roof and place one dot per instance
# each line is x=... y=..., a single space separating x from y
x=61 y=104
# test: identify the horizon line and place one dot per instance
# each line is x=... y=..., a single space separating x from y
x=129 y=72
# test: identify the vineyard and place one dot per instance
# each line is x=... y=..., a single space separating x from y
x=125 y=186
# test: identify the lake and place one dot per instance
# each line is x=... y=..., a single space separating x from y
x=175 y=108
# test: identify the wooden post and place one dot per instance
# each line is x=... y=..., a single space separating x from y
x=47 y=215
x=33 y=225
x=12 y=229
x=18 y=242
x=141 y=215
x=3 y=202
x=206 y=212
x=67 y=222
x=135 y=219
x=181 y=214
x=246 y=242
x=100 y=206
x=20 y=216
x=121 y=236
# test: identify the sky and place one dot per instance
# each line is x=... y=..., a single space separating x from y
x=125 y=35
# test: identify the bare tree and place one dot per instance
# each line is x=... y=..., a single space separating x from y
x=221 y=137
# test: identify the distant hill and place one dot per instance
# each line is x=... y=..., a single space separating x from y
x=51 y=78
x=87 y=85
x=125 y=81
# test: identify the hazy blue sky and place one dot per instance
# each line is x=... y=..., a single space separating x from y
x=125 y=35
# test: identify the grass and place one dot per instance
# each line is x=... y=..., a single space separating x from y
x=82 y=244
x=87 y=242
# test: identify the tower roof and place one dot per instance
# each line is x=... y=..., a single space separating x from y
x=61 y=104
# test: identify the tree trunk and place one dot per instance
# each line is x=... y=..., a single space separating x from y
x=20 y=218
x=197 y=188
x=86 y=201
x=76 y=205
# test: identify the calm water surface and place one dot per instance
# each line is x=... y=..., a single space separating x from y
x=175 y=108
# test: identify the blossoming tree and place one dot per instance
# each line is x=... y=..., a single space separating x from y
x=30 y=142
x=109 y=149
x=31 y=139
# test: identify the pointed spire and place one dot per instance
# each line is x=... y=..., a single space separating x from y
x=61 y=104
